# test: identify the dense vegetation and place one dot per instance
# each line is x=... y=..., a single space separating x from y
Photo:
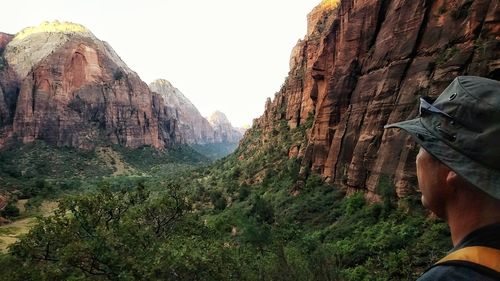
x=215 y=151
x=175 y=233
x=249 y=216
x=32 y=168
x=39 y=172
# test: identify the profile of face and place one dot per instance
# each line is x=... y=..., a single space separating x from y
x=432 y=175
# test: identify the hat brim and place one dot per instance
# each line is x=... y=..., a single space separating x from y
x=477 y=174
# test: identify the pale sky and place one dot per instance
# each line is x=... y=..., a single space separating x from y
x=227 y=55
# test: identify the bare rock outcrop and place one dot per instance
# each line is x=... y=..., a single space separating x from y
x=365 y=63
x=74 y=90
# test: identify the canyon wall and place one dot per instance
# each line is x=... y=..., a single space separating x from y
x=365 y=63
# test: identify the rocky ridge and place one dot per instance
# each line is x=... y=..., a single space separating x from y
x=363 y=64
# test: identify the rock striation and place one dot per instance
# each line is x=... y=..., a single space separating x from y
x=72 y=89
x=365 y=63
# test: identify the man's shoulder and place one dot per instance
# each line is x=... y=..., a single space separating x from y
x=454 y=272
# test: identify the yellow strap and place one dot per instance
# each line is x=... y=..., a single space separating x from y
x=485 y=256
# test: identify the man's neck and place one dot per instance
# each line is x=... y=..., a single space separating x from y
x=466 y=220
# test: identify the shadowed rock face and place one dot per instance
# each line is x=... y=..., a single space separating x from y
x=364 y=64
x=75 y=91
x=9 y=89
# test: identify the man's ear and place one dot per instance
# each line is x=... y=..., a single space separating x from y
x=453 y=180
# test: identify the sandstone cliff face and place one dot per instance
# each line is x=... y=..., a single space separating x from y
x=193 y=128
x=365 y=63
x=223 y=130
x=73 y=90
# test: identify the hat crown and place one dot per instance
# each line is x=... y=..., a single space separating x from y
x=474 y=103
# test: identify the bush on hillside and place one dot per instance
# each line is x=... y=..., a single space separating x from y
x=10 y=211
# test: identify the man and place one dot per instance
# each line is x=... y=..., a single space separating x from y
x=458 y=171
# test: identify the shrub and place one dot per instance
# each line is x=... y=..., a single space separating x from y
x=118 y=75
x=244 y=192
x=262 y=210
x=354 y=203
x=314 y=181
x=127 y=235
x=10 y=211
x=446 y=55
x=218 y=200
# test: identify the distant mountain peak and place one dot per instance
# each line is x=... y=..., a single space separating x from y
x=194 y=128
x=223 y=128
x=172 y=96
x=162 y=81
x=218 y=118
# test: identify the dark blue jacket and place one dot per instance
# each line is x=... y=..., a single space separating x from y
x=488 y=236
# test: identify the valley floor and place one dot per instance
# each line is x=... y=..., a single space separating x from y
x=10 y=233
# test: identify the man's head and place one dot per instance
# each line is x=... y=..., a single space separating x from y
x=460 y=137
x=442 y=188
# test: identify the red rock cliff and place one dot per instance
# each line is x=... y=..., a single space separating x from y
x=365 y=63
x=75 y=91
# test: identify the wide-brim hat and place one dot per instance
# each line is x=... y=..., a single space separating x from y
x=462 y=130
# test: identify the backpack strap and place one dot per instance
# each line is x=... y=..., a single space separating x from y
x=479 y=255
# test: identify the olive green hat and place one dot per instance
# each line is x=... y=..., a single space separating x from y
x=462 y=130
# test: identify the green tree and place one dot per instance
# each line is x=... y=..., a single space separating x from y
x=125 y=235
x=262 y=210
